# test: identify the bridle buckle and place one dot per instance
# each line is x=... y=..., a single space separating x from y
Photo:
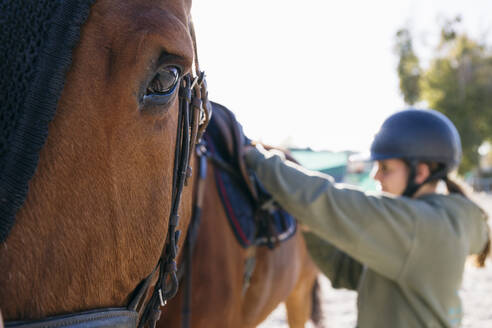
x=161 y=299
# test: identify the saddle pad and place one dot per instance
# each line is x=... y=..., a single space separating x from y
x=250 y=225
x=36 y=42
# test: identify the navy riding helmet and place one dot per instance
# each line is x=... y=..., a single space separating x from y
x=419 y=136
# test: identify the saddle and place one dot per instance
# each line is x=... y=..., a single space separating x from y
x=232 y=139
x=255 y=217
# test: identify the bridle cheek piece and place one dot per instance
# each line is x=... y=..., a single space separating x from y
x=195 y=112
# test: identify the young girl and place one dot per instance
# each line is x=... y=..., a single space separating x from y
x=403 y=250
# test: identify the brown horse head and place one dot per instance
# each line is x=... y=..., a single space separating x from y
x=95 y=218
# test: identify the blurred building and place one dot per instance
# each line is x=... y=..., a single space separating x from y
x=339 y=165
x=481 y=178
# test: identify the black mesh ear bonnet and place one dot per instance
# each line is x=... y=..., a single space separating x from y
x=36 y=42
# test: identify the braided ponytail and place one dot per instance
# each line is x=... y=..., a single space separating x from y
x=455 y=188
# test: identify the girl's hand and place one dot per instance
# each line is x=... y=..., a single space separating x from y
x=303 y=228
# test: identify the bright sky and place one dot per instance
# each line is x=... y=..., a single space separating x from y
x=316 y=73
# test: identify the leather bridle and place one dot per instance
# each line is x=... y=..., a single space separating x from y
x=195 y=112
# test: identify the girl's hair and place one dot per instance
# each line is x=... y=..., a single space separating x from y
x=455 y=188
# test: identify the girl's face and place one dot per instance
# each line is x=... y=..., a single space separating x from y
x=392 y=174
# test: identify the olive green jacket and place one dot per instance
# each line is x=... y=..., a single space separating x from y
x=404 y=256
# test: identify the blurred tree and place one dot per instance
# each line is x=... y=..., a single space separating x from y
x=409 y=70
x=458 y=83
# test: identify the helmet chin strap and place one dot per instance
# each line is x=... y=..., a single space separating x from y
x=412 y=186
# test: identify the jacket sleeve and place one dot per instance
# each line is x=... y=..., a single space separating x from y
x=376 y=230
x=342 y=270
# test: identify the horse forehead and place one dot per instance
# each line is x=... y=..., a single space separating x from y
x=166 y=19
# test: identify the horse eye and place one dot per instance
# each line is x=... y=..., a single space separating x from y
x=163 y=82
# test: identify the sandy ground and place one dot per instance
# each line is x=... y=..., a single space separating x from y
x=340 y=310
